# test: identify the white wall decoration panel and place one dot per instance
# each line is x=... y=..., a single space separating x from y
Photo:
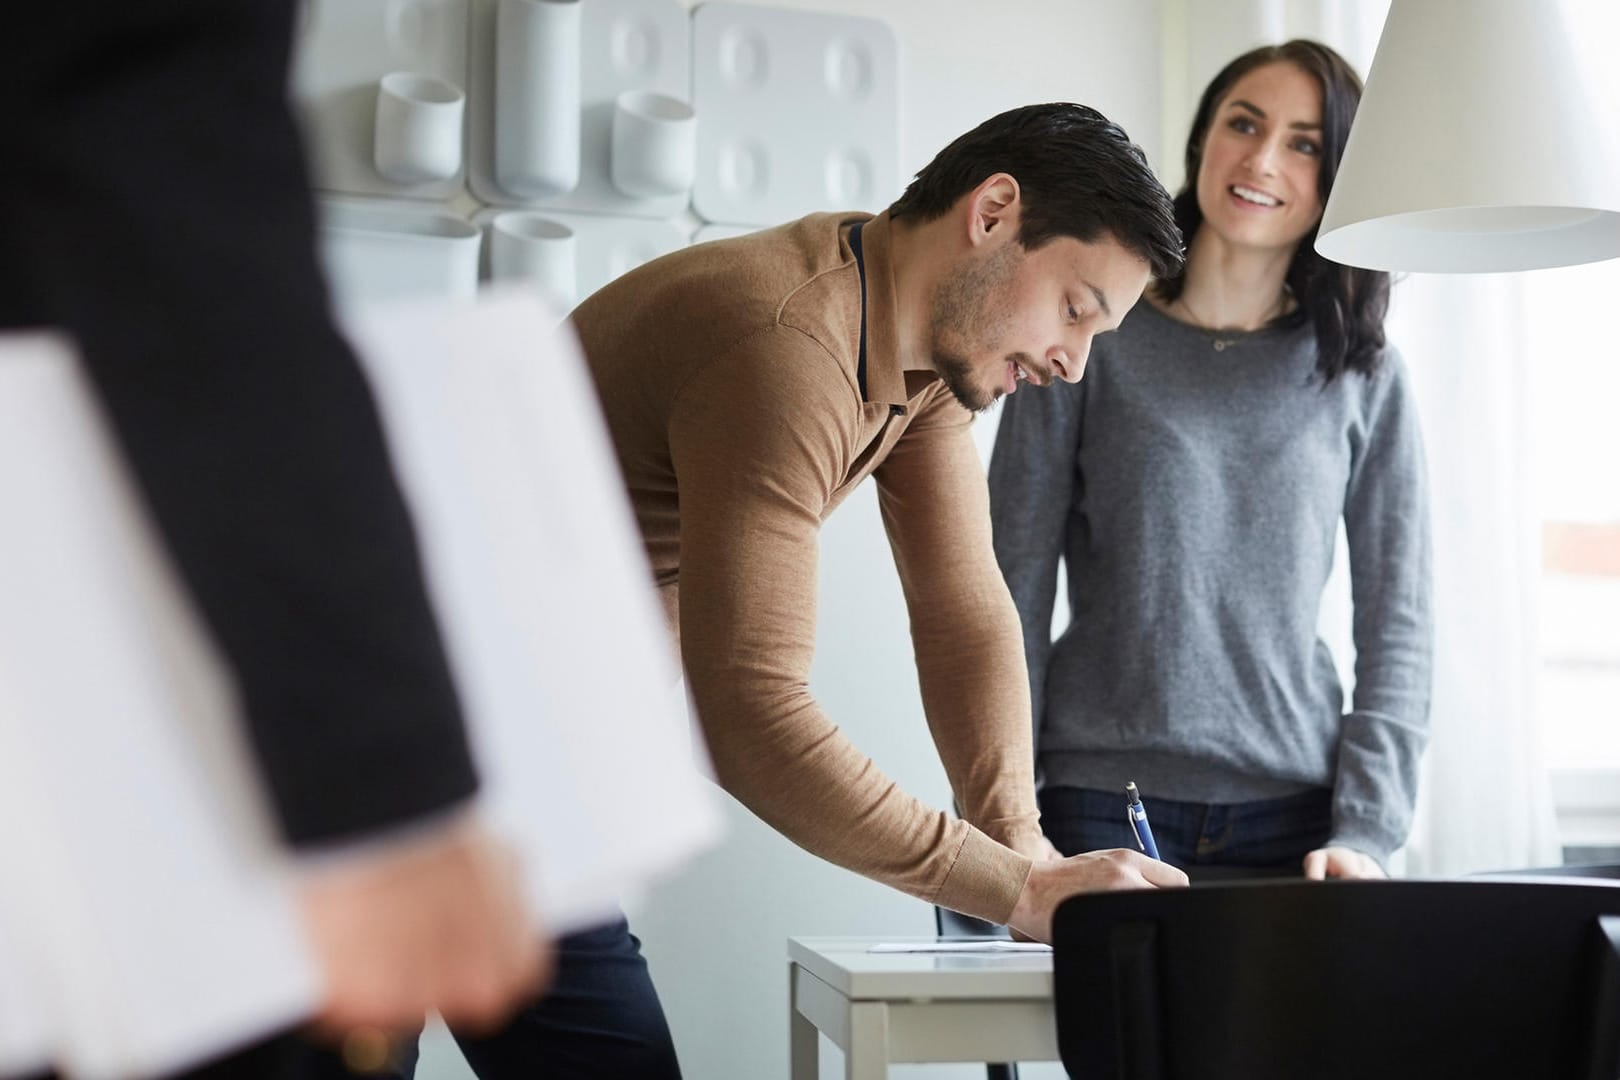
x=374 y=251
x=606 y=247
x=624 y=45
x=797 y=112
x=344 y=48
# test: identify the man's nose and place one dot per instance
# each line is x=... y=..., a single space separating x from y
x=1069 y=364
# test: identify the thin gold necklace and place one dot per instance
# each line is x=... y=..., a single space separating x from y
x=1222 y=343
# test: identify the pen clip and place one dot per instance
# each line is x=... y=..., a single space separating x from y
x=1136 y=833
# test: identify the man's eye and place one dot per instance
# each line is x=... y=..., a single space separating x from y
x=1074 y=316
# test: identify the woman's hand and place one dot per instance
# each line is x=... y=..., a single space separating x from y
x=1341 y=862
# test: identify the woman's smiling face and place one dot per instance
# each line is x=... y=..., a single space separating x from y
x=1258 y=174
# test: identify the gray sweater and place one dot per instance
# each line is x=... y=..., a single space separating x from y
x=1194 y=496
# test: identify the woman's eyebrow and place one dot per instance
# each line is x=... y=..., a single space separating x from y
x=1298 y=125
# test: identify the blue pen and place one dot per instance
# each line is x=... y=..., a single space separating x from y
x=1136 y=813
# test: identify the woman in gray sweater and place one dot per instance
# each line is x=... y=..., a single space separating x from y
x=1193 y=484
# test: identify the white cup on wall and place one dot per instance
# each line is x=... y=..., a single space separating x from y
x=537 y=106
x=526 y=246
x=419 y=119
x=654 y=144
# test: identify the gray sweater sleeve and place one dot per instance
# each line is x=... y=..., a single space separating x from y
x=1032 y=480
x=1386 y=516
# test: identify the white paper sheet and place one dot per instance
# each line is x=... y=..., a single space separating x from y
x=148 y=909
x=146 y=915
x=540 y=580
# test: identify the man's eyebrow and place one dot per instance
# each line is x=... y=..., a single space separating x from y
x=1101 y=299
x=1298 y=125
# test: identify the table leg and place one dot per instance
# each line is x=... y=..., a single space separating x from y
x=867 y=1056
x=804 y=1041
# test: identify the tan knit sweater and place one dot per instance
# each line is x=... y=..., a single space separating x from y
x=728 y=375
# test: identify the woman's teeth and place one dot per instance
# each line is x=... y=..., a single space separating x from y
x=1259 y=198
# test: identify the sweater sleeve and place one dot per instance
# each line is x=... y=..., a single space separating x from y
x=964 y=628
x=759 y=443
x=1386 y=517
x=1032 y=490
x=136 y=214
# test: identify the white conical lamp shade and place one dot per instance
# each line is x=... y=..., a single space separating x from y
x=1480 y=145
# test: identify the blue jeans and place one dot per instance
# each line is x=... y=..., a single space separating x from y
x=1268 y=837
x=600 y=1018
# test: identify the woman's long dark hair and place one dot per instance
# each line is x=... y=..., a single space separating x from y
x=1345 y=305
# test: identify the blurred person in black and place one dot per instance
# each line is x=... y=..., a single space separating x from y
x=154 y=206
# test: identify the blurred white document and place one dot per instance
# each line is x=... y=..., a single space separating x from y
x=146 y=908
x=538 y=573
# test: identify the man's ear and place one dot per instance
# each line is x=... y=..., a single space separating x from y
x=993 y=209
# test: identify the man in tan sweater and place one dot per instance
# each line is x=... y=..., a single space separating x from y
x=751 y=384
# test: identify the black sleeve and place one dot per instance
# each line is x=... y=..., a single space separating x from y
x=153 y=202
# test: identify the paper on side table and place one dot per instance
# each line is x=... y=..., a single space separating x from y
x=988 y=946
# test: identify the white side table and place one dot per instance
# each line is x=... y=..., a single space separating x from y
x=911 y=1007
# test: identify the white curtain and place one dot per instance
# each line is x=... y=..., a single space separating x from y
x=1484 y=802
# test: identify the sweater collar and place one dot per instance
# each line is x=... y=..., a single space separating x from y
x=885 y=380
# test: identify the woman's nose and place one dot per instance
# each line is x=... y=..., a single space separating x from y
x=1263 y=162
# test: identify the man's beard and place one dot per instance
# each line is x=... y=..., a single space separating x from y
x=968 y=313
x=957 y=372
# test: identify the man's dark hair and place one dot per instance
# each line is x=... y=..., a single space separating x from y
x=1078 y=173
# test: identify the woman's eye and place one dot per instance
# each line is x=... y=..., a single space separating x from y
x=1074 y=316
x=1242 y=124
x=1306 y=146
